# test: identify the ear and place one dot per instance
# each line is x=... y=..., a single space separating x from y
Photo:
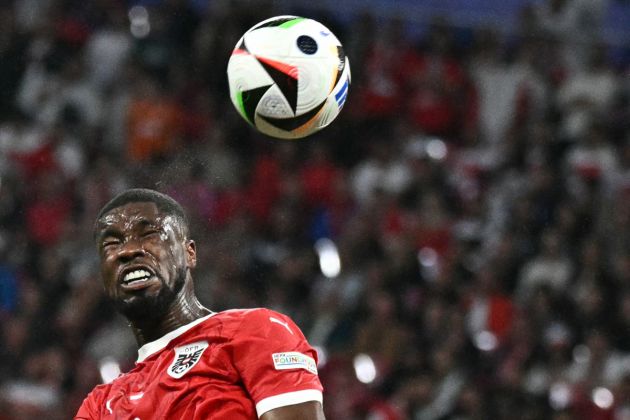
x=191 y=253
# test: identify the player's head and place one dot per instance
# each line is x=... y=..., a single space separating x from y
x=165 y=204
x=145 y=253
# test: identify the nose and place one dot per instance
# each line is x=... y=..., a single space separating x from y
x=130 y=250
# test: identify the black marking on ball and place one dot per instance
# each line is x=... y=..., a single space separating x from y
x=342 y=64
x=251 y=98
x=307 y=45
x=241 y=45
x=287 y=84
x=274 y=22
x=290 y=124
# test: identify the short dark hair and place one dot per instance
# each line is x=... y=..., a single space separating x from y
x=164 y=203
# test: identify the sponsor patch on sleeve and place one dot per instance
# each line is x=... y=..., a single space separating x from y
x=294 y=360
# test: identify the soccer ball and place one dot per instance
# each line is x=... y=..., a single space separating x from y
x=288 y=76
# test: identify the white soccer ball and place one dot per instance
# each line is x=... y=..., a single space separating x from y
x=288 y=76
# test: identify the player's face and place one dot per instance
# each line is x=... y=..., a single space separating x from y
x=145 y=258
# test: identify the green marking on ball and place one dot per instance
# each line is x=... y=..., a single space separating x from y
x=290 y=23
x=247 y=101
x=241 y=106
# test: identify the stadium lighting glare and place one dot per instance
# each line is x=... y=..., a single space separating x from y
x=559 y=396
x=486 y=341
x=603 y=398
x=322 y=356
x=364 y=368
x=109 y=369
x=436 y=149
x=329 y=261
x=139 y=25
x=427 y=257
x=581 y=354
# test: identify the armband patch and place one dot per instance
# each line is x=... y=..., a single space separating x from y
x=294 y=360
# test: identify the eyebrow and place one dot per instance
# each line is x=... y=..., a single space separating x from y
x=143 y=223
x=109 y=230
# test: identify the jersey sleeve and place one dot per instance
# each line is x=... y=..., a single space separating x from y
x=277 y=365
x=89 y=407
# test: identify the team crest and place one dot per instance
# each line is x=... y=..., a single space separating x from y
x=186 y=357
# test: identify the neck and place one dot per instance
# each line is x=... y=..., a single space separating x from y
x=184 y=309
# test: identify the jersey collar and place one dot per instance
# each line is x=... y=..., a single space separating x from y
x=154 y=346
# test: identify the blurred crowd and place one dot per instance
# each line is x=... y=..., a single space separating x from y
x=456 y=245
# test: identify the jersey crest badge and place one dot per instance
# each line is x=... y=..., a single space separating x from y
x=186 y=357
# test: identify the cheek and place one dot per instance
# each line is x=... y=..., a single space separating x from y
x=176 y=259
x=109 y=260
x=108 y=270
x=167 y=257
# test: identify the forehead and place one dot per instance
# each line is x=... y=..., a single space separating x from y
x=131 y=215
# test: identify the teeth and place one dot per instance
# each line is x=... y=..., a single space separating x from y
x=131 y=283
x=135 y=275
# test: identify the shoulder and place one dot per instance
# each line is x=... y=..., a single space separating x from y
x=272 y=357
x=260 y=322
x=245 y=317
x=245 y=313
x=90 y=406
x=100 y=391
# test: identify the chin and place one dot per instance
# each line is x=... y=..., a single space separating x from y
x=146 y=306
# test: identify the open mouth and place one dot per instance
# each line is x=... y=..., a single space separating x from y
x=137 y=279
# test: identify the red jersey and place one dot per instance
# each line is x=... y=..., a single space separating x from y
x=236 y=364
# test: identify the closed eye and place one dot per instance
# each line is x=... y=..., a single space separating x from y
x=109 y=237
x=110 y=242
x=150 y=232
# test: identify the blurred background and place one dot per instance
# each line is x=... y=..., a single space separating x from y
x=456 y=244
